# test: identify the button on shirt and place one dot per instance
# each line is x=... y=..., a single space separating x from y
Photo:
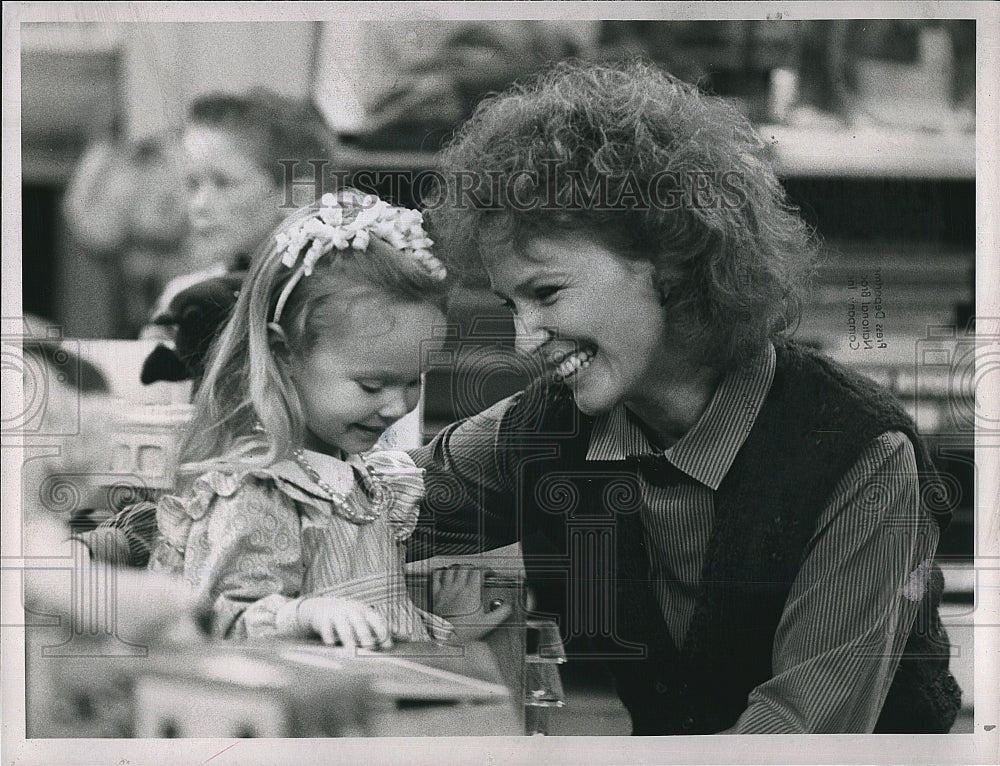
x=854 y=599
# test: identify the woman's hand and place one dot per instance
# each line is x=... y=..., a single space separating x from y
x=457 y=595
x=351 y=623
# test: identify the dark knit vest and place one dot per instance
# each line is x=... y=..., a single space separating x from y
x=587 y=560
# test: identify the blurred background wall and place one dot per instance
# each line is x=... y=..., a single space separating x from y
x=89 y=81
x=861 y=114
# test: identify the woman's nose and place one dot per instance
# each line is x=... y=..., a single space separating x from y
x=530 y=335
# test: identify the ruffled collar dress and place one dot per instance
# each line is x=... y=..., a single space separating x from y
x=253 y=542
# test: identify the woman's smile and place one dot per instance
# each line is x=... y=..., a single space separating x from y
x=572 y=364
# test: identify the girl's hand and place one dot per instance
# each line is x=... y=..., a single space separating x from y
x=348 y=622
x=457 y=595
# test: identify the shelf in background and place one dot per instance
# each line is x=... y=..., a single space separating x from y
x=871 y=152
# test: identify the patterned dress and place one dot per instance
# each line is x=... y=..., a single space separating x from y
x=252 y=544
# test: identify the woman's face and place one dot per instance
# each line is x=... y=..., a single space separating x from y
x=594 y=316
x=232 y=201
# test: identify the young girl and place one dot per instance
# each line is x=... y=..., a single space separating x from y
x=289 y=527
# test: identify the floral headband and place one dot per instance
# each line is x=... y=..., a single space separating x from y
x=325 y=231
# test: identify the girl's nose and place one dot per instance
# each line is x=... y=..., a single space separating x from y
x=396 y=405
x=198 y=196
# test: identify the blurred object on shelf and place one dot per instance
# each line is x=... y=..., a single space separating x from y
x=783 y=94
x=909 y=73
x=420 y=79
x=904 y=75
x=821 y=67
x=662 y=42
x=733 y=59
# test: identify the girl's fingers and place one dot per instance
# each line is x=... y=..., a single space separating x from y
x=362 y=632
x=344 y=632
x=458 y=574
x=327 y=632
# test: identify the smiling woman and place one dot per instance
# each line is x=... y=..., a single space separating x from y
x=710 y=507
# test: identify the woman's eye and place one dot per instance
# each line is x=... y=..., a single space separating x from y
x=369 y=386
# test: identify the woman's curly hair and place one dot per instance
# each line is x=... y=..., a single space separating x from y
x=654 y=169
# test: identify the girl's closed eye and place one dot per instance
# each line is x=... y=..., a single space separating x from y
x=547 y=294
x=221 y=181
x=377 y=386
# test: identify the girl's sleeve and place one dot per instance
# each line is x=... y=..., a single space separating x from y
x=244 y=557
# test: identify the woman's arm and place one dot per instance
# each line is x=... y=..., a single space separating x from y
x=126 y=539
x=469 y=504
x=852 y=605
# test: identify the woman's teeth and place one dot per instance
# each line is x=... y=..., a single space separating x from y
x=574 y=362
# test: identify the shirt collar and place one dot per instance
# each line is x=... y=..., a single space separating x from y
x=707 y=450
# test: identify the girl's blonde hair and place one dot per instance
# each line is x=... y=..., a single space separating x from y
x=247 y=411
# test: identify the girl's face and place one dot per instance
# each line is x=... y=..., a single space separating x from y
x=593 y=316
x=232 y=201
x=364 y=375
